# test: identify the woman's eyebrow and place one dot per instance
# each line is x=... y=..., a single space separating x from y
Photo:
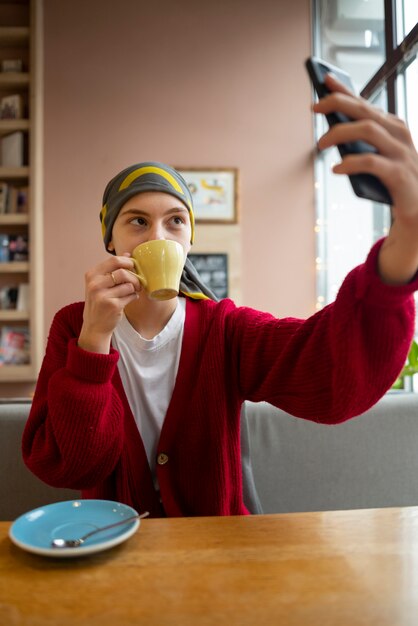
x=134 y=211
x=177 y=209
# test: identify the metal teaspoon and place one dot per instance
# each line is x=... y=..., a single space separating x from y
x=74 y=543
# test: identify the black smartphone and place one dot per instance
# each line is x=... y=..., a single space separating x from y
x=364 y=185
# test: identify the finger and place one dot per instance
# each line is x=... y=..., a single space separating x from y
x=127 y=299
x=364 y=164
x=384 y=169
x=359 y=109
x=113 y=263
x=334 y=84
x=122 y=290
x=123 y=276
x=365 y=130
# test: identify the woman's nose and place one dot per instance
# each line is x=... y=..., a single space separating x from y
x=156 y=232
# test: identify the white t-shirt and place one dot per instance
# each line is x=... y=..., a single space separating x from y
x=148 y=369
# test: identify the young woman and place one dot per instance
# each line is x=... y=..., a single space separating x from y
x=139 y=400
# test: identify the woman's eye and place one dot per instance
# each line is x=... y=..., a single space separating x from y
x=178 y=220
x=139 y=221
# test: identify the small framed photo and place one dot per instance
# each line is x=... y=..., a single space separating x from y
x=214 y=192
x=213 y=270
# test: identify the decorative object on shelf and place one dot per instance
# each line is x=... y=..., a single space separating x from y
x=213 y=269
x=14 y=345
x=214 y=192
x=12 y=65
x=14 y=297
x=11 y=107
x=8 y=298
x=14 y=248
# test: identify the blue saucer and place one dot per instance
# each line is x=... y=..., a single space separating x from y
x=72 y=519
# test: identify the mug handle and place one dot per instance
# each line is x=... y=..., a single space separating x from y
x=138 y=274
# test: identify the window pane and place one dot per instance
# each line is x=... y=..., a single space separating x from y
x=406 y=17
x=346 y=226
x=411 y=87
x=350 y=34
x=407 y=109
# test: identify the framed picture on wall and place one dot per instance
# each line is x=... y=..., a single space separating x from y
x=214 y=192
x=213 y=270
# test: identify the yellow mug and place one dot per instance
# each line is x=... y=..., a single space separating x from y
x=158 y=266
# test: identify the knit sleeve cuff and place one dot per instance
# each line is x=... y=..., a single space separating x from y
x=90 y=366
x=372 y=286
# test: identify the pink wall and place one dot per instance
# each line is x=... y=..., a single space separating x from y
x=185 y=82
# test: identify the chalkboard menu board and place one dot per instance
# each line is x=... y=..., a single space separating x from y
x=213 y=270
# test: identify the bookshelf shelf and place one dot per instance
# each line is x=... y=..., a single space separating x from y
x=14 y=79
x=16 y=373
x=14 y=219
x=14 y=35
x=11 y=315
x=14 y=267
x=10 y=126
x=14 y=172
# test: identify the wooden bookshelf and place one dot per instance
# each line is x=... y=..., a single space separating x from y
x=21 y=38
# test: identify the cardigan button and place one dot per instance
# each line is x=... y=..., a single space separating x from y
x=162 y=458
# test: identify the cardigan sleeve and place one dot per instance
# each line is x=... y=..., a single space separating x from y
x=74 y=434
x=337 y=363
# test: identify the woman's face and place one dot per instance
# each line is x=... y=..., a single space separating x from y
x=150 y=215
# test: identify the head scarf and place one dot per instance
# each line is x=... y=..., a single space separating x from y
x=152 y=176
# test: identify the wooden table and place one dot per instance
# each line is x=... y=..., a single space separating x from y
x=339 y=568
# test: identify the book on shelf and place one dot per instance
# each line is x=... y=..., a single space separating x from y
x=11 y=107
x=14 y=297
x=22 y=303
x=14 y=345
x=4 y=194
x=13 y=199
x=12 y=150
x=21 y=203
x=13 y=248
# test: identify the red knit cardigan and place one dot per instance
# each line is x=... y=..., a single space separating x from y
x=81 y=433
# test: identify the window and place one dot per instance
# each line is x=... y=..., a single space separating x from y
x=407 y=18
x=376 y=41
